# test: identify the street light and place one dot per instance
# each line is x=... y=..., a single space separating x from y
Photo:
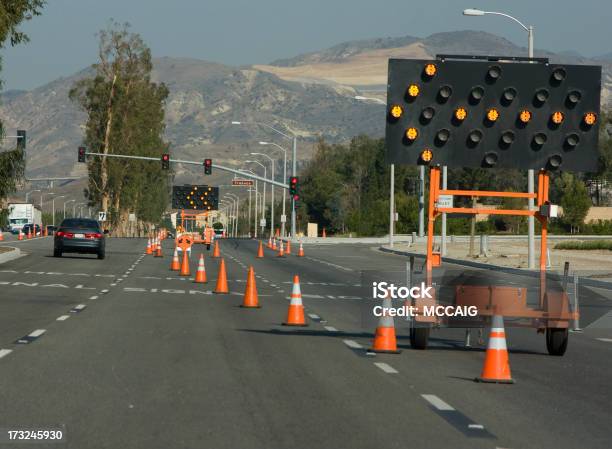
x=284 y=180
x=66 y=202
x=255 y=208
x=41 y=199
x=293 y=168
x=28 y=194
x=53 y=207
x=236 y=201
x=263 y=202
x=226 y=210
x=530 y=172
x=74 y=206
x=272 y=188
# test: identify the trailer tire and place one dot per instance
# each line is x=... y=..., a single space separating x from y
x=419 y=337
x=556 y=340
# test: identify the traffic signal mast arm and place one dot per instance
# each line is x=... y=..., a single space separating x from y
x=199 y=163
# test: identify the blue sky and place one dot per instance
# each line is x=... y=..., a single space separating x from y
x=240 y=32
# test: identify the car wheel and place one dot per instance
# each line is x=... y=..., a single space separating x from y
x=57 y=253
x=101 y=254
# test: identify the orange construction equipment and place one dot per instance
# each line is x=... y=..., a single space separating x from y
x=288 y=248
x=175 y=265
x=260 y=250
x=295 y=314
x=270 y=243
x=301 y=251
x=216 y=251
x=200 y=277
x=185 y=265
x=496 y=367
x=20 y=236
x=281 y=251
x=221 y=287
x=250 y=300
x=385 y=340
x=149 y=249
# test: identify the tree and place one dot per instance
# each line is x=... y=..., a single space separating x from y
x=125 y=115
x=575 y=201
x=12 y=14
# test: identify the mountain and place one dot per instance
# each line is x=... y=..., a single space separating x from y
x=310 y=95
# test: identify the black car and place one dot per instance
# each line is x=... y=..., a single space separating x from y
x=34 y=229
x=79 y=235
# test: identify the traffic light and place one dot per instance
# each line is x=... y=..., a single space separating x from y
x=21 y=139
x=195 y=197
x=165 y=161
x=502 y=112
x=81 y=156
x=208 y=166
x=293 y=188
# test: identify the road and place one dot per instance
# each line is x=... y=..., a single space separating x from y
x=133 y=356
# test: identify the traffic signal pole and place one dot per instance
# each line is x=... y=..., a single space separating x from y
x=293 y=173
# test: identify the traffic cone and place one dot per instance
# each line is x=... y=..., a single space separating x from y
x=1 y=236
x=149 y=250
x=301 y=251
x=158 y=251
x=200 y=277
x=45 y=232
x=496 y=367
x=384 y=338
x=270 y=243
x=20 y=237
x=324 y=235
x=250 y=300
x=274 y=247
x=29 y=235
x=281 y=251
x=288 y=248
x=184 y=265
x=221 y=287
x=260 y=251
x=277 y=234
x=216 y=250
x=175 y=265
x=295 y=314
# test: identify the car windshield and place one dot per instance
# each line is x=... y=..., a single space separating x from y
x=80 y=223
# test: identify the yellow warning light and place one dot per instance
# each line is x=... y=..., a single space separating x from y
x=413 y=90
x=202 y=198
x=525 y=116
x=557 y=117
x=396 y=111
x=492 y=115
x=195 y=187
x=190 y=202
x=460 y=114
x=209 y=189
x=206 y=193
x=191 y=193
x=590 y=118
x=412 y=133
x=426 y=155
x=430 y=69
x=188 y=197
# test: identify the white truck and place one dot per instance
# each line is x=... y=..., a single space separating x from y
x=21 y=214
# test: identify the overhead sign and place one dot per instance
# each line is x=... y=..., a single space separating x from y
x=242 y=182
x=499 y=112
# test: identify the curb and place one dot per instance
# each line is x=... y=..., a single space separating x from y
x=468 y=263
x=10 y=255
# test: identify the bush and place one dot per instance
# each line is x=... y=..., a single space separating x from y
x=586 y=245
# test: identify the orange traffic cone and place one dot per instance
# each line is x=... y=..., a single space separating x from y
x=20 y=237
x=295 y=314
x=496 y=367
x=45 y=232
x=216 y=250
x=149 y=250
x=281 y=251
x=175 y=265
x=277 y=234
x=29 y=234
x=250 y=300
x=324 y=235
x=288 y=248
x=301 y=251
x=260 y=251
x=274 y=247
x=384 y=338
x=1 y=236
x=158 y=251
x=270 y=243
x=184 y=265
x=221 y=287
x=200 y=277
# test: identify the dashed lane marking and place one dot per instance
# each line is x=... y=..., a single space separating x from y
x=457 y=419
x=5 y=352
x=79 y=308
x=104 y=291
x=63 y=318
x=331 y=329
x=352 y=344
x=386 y=368
x=607 y=340
x=93 y=297
x=32 y=336
x=437 y=402
x=314 y=316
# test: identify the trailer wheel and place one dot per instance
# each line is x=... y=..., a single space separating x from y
x=556 y=340
x=419 y=337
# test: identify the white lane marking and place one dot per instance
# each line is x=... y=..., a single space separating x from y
x=5 y=352
x=437 y=402
x=112 y=285
x=607 y=340
x=37 y=333
x=331 y=329
x=94 y=297
x=476 y=426
x=352 y=344
x=80 y=307
x=386 y=368
x=314 y=316
x=104 y=291
x=63 y=318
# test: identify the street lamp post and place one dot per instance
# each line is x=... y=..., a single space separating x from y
x=271 y=188
x=53 y=207
x=28 y=194
x=236 y=200
x=255 y=204
x=530 y=172
x=263 y=201
x=284 y=180
x=293 y=167
x=41 y=200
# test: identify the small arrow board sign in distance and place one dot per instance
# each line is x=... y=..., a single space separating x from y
x=445 y=201
x=101 y=216
x=242 y=182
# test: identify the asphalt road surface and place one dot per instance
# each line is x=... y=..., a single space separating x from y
x=123 y=353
